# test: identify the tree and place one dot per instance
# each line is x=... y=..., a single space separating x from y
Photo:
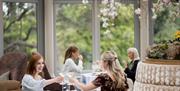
x=19 y=27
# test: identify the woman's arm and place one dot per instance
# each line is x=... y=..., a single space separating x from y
x=97 y=82
x=30 y=83
x=73 y=67
x=82 y=86
x=57 y=79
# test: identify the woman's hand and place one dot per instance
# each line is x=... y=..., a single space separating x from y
x=59 y=79
x=73 y=80
x=80 y=57
x=126 y=65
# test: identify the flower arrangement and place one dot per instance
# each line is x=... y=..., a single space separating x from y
x=166 y=49
x=163 y=5
x=108 y=12
x=85 y=1
x=177 y=35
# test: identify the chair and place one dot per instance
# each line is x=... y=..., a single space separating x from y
x=51 y=87
x=10 y=85
x=130 y=83
x=14 y=64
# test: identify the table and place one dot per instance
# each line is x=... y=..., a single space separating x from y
x=88 y=77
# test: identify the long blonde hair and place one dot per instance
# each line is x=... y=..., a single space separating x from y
x=116 y=72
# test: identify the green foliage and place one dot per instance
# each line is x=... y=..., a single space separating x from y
x=19 y=27
x=167 y=21
x=121 y=36
x=73 y=26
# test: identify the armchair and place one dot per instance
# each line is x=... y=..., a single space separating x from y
x=16 y=64
x=10 y=85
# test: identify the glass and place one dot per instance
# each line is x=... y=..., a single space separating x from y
x=66 y=85
x=95 y=66
x=20 y=27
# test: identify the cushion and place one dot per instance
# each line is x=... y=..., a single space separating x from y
x=4 y=76
x=10 y=84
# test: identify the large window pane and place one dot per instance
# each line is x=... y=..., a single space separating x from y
x=166 y=19
x=20 y=28
x=120 y=37
x=73 y=27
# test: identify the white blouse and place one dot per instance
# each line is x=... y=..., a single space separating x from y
x=31 y=84
x=70 y=66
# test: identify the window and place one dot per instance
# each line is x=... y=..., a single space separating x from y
x=165 y=20
x=22 y=25
x=73 y=27
x=20 y=30
x=121 y=36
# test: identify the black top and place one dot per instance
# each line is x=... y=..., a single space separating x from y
x=131 y=72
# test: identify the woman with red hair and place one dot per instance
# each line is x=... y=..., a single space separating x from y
x=33 y=79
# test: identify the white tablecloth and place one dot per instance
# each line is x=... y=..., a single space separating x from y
x=88 y=77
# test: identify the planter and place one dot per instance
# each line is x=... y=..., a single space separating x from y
x=158 y=75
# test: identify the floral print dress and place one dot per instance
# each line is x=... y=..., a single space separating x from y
x=104 y=81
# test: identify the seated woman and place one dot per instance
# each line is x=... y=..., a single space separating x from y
x=33 y=79
x=72 y=57
x=111 y=79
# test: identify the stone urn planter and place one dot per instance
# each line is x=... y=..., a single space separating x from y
x=158 y=75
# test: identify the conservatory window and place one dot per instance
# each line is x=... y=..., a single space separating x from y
x=73 y=21
x=21 y=25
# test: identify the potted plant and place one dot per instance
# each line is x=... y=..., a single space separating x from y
x=166 y=52
x=161 y=70
x=166 y=49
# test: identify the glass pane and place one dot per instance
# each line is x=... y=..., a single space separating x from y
x=20 y=28
x=73 y=27
x=166 y=19
x=121 y=36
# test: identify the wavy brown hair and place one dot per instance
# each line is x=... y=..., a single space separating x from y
x=31 y=68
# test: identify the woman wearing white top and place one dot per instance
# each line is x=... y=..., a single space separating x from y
x=71 y=57
x=33 y=79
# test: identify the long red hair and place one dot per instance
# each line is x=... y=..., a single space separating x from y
x=31 y=68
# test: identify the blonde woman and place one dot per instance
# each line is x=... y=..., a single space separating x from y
x=112 y=78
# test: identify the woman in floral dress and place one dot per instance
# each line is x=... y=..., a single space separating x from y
x=111 y=79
